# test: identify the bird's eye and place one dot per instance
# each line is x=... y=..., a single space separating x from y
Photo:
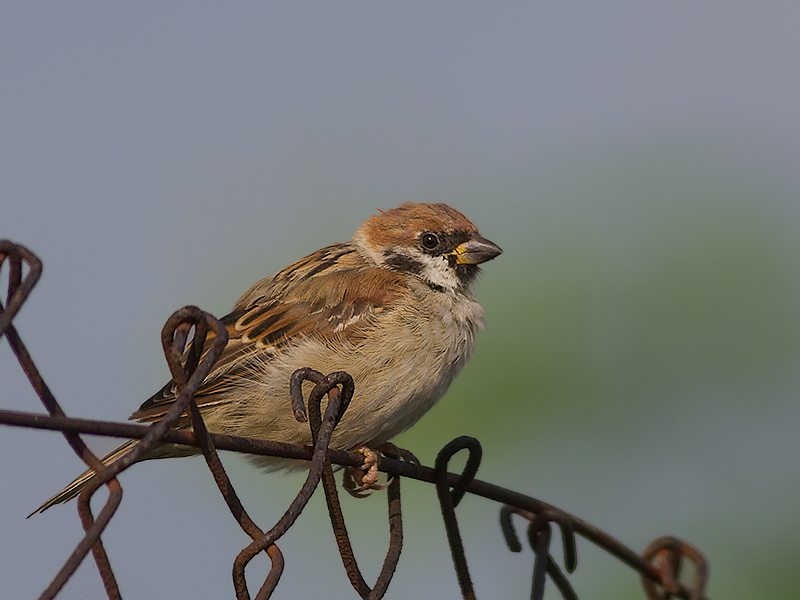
x=430 y=240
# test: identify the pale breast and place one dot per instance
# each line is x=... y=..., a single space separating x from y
x=401 y=368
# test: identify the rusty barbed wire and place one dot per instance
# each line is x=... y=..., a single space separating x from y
x=183 y=339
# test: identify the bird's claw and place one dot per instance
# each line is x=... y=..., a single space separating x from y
x=359 y=482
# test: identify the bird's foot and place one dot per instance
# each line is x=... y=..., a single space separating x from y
x=360 y=481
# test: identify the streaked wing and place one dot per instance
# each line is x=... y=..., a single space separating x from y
x=317 y=296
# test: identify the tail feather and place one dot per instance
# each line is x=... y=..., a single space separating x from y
x=75 y=488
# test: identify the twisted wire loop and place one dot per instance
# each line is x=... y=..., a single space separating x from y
x=322 y=429
x=188 y=376
x=539 y=535
x=667 y=554
x=182 y=364
x=450 y=498
x=20 y=259
x=313 y=415
x=191 y=358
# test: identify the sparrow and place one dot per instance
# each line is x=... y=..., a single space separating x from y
x=394 y=307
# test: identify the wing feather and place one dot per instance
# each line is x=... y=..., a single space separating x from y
x=319 y=296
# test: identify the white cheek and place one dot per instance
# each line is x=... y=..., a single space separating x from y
x=437 y=270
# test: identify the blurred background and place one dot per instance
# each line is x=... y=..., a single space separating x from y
x=637 y=162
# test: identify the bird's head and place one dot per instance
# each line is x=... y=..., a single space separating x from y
x=434 y=242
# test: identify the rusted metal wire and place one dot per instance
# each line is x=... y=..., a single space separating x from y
x=183 y=339
x=450 y=498
x=539 y=539
x=668 y=553
x=321 y=432
x=182 y=365
x=19 y=289
x=329 y=484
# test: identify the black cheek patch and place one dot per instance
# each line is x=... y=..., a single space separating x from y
x=402 y=263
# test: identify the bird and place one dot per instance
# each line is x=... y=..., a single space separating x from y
x=394 y=307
